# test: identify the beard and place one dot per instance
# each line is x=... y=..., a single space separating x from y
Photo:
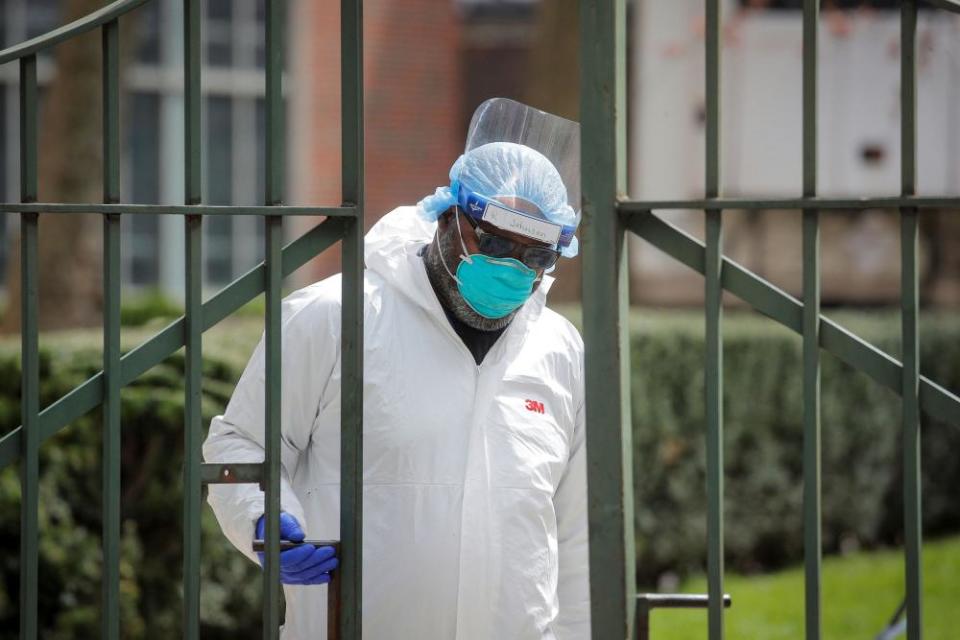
x=448 y=243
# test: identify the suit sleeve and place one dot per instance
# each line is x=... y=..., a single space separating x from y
x=310 y=352
x=570 y=501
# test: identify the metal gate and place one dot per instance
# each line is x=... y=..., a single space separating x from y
x=343 y=223
x=609 y=213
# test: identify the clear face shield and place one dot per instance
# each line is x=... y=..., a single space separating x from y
x=522 y=172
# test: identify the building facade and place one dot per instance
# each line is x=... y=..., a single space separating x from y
x=413 y=121
x=428 y=63
x=761 y=139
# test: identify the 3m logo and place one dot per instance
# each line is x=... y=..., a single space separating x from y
x=533 y=405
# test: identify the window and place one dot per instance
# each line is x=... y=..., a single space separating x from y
x=234 y=174
x=218 y=183
x=141 y=246
x=234 y=33
x=18 y=22
x=260 y=42
x=218 y=26
x=152 y=129
x=147 y=37
x=41 y=15
x=233 y=134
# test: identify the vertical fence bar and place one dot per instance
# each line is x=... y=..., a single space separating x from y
x=193 y=338
x=812 y=543
x=111 y=111
x=271 y=590
x=605 y=307
x=193 y=380
x=110 y=615
x=909 y=303
x=714 y=339
x=351 y=400
x=192 y=54
x=30 y=369
x=274 y=274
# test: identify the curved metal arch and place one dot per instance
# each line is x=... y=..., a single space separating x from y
x=947 y=5
x=81 y=25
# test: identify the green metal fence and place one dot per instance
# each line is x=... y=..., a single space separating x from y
x=609 y=213
x=343 y=223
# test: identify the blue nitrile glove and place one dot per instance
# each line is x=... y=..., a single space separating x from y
x=306 y=564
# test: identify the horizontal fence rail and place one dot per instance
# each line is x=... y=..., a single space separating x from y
x=343 y=223
x=608 y=212
x=173 y=209
x=807 y=203
x=647 y=602
x=136 y=362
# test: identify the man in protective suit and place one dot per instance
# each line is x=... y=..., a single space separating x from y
x=474 y=503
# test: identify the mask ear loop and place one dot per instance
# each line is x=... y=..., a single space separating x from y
x=443 y=260
x=465 y=255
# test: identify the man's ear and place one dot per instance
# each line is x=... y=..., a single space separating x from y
x=445 y=219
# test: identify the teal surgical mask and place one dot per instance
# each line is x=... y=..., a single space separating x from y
x=493 y=287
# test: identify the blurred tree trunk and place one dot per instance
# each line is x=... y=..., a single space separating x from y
x=70 y=170
x=554 y=83
x=554 y=86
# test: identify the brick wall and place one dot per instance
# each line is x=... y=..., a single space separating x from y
x=413 y=111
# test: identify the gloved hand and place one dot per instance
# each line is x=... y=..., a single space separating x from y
x=306 y=564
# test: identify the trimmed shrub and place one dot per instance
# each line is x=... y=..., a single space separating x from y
x=862 y=467
x=151 y=306
x=763 y=443
x=151 y=504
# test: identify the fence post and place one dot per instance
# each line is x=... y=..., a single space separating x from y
x=193 y=317
x=605 y=322
x=812 y=544
x=110 y=615
x=30 y=347
x=351 y=402
x=909 y=304
x=713 y=304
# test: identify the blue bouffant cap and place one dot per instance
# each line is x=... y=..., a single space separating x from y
x=508 y=169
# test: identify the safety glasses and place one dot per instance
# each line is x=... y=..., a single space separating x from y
x=499 y=247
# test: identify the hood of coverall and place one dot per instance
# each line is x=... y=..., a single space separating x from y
x=392 y=249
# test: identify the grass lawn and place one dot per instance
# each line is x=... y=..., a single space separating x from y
x=860 y=593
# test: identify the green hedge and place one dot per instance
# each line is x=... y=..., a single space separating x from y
x=70 y=514
x=763 y=442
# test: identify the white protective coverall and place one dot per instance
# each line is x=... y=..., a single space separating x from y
x=474 y=499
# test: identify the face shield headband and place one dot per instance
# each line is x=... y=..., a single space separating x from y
x=499 y=215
